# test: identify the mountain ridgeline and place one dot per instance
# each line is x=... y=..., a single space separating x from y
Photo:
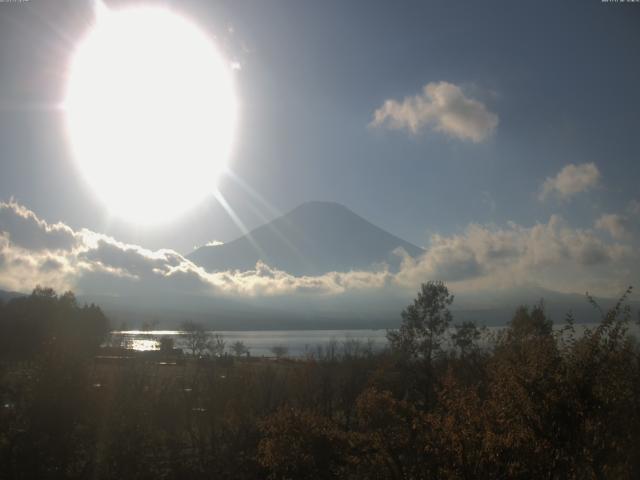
x=313 y=239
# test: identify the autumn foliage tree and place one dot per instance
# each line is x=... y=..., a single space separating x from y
x=532 y=401
x=301 y=444
x=424 y=322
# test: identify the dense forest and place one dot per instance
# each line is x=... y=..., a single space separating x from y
x=532 y=401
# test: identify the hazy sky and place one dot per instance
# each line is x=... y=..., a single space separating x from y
x=425 y=117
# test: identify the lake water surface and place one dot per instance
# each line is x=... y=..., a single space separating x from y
x=260 y=342
x=299 y=343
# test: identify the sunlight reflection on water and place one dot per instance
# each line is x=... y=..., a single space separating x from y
x=259 y=343
x=143 y=344
x=297 y=342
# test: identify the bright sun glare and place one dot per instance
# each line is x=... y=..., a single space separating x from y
x=151 y=112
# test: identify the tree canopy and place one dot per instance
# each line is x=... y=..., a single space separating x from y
x=424 y=322
x=46 y=319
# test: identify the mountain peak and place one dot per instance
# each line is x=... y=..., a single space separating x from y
x=320 y=207
x=321 y=204
x=314 y=238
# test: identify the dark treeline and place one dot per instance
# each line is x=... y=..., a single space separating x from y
x=45 y=321
x=529 y=402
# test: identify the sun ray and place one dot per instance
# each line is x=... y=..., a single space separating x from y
x=273 y=211
x=236 y=219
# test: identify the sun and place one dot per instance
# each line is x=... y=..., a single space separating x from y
x=151 y=112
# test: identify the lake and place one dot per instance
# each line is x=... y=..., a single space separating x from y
x=260 y=342
x=299 y=343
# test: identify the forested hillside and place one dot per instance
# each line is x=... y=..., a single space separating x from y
x=529 y=402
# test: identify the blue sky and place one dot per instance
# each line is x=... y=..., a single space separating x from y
x=560 y=78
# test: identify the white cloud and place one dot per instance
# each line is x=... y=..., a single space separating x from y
x=214 y=243
x=553 y=255
x=267 y=281
x=94 y=263
x=442 y=106
x=27 y=231
x=572 y=179
x=614 y=224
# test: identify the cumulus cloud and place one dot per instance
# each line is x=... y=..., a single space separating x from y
x=614 y=224
x=27 y=231
x=442 y=106
x=266 y=281
x=33 y=251
x=552 y=254
x=572 y=179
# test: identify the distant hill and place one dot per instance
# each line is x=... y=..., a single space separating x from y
x=5 y=296
x=375 y=309
x=312 y=239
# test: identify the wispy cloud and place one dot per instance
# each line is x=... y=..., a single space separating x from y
x=571 y=180
x=441 y=106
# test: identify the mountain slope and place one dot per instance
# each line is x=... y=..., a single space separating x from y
x=312 y=239
x=367 y=309
x=5 y=295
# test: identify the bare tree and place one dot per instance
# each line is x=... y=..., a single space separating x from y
x=199 y=341
x=216 y=345
x=239 y=348
x=280 y=351
x=166 y=344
